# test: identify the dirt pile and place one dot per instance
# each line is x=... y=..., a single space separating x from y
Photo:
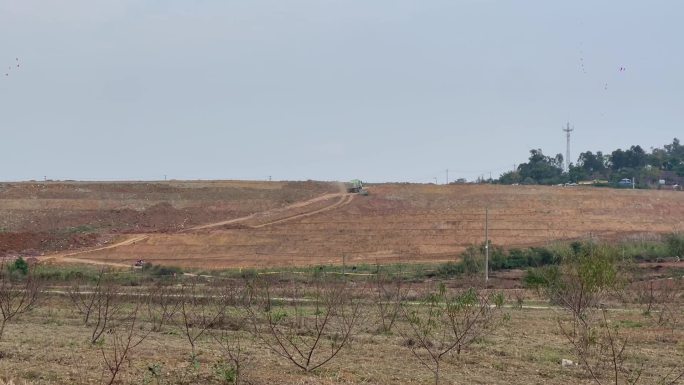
x=32 y=244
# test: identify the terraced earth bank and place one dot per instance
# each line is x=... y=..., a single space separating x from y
x=225 y=224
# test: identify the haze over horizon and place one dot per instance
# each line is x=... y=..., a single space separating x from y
x=329 y=89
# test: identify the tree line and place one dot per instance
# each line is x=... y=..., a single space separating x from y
x=647 y=168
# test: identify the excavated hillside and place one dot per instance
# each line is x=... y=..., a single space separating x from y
x=258 y=224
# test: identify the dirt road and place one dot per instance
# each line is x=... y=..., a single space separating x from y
x=282 y=214
x=343 y=198
x=65 y=257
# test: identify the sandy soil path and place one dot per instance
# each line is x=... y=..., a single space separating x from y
x=344 y=199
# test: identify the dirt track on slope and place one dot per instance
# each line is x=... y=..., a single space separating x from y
x=343 y=198
x=283 y=215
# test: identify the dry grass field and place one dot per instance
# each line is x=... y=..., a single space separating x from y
x=51 y=346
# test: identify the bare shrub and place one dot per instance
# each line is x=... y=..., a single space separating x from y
x=519 y=296
x=162 y=304
x=231 y=368
x=84 y=297
x=306 y=324
x=99 y=305
x=18 y=294
x=389 y=294
x=117 y=349
x=198 y=311
x=443 y=323
x=660 y=299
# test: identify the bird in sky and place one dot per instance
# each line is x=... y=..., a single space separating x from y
x=9 y=68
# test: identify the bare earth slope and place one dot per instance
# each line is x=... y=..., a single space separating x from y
x=240 y=225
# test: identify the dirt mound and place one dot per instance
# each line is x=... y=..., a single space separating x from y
x=130 y=207
x=24 y=243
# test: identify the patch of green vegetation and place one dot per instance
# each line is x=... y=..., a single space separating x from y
x=161 y=271
x=550 y=355
x=630 y=324
x=89 y=274
x=541 y=264
x=20 y=266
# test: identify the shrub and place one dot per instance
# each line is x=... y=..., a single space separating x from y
x=541 y=277
x=20 y=265
x=161 y=271
x=675 y=244
x=450 y=269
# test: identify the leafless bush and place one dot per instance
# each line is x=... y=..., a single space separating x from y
x=660 y=297
x=84 y=297
x=389 y=294
x=18 y=295
x=198 y=311
x=233 y=352
x=162 y=304
x=519 y=296
x=117 y=349
x=231 y=367
x=444 y=323
x=99 y=305
x=307 y=328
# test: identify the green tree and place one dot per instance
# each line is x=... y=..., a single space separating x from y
x=592 y=163
x=635 y=157
x=542 y=169
x=510 y=177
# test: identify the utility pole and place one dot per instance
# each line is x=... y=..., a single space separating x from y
x=567 y=131
x=486 y=244
x=447 y=176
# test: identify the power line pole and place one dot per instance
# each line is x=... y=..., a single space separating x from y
x=486 y=244
x=567 y=131
x=447 y=176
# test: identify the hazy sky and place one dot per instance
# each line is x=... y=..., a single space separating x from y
x=381 y=90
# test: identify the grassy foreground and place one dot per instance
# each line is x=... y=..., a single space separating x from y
x=590 y=304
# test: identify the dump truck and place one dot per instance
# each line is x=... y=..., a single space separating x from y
x=355 y=186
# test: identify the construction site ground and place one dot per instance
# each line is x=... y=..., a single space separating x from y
x=230 y=224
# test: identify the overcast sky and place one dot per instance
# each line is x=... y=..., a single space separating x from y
x=381 y=90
